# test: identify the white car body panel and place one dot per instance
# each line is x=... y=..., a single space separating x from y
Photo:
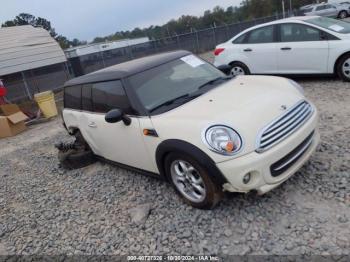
x=304 y=57
x=116 y=142
x=314 y=57
x=259 y=53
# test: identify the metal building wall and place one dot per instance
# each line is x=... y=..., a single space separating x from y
x=31 y=61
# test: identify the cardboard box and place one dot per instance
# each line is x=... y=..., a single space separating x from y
x=12 y=121
x=9 y=109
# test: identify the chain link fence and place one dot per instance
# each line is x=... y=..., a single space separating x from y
x=198 y=41
x=23 y=85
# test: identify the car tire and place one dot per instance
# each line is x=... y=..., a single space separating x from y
x=343 y=68
x=238 y=68
x=343 y=14
x=191 y=181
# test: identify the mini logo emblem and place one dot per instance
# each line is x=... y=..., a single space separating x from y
x=283 y=107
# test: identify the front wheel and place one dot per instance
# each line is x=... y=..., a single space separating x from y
x=343 y=15
x=238 y=68
x=192 y=181
x=343 y=68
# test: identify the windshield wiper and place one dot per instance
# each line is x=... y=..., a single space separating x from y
x=184 y=98
x=214 y=80
x=190 y=96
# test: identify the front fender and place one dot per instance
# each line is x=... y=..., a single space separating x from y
x=175 y=145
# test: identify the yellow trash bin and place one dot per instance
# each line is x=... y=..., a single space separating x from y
x=47 y=104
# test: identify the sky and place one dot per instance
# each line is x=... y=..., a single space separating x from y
x=86 y=19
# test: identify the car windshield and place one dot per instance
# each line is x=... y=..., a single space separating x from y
x=180 y=79
x=331 y=24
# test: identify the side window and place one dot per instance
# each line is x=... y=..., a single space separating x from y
x=109 y=95
x=298 y=33
x=308 y=10
x=86 y=99
x=261 y=35
x=330 y=7
x=72 y=97
x=320 y=8
x=239 y=40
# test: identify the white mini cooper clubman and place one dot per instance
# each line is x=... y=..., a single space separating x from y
x=178 y=117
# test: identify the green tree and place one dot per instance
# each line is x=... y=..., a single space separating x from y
x=63 y=41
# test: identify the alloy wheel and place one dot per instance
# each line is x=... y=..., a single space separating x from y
x=346 y=68
x=237 y=70
x=188 y=181
x=343 y=15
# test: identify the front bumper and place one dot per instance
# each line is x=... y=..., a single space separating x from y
x=259 y=164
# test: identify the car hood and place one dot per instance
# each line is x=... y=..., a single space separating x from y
x=345 y=36
x=246 y=103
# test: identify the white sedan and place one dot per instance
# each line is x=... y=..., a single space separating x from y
x=298 y=45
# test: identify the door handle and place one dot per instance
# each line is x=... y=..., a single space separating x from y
x=248 y=50
x=286 y=48
x=92 y=124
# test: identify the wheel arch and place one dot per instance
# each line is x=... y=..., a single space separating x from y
x=237 y=61
x=240 y=62
x=174 y=145
x=335 y=71
x=342 y=11
x=72 y=130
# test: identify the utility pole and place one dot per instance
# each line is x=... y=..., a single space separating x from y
x=283 y=10
x=290 y=7
x=167 y=28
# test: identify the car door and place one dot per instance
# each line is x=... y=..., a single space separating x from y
x=116 y=142
x=301 y=49
x=320 y=10
x=330 y=11
x=259 y=44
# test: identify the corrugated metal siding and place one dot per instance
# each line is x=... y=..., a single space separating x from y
x=26 y=47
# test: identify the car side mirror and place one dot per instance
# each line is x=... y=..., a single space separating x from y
x=117 y=115
x=226 y=69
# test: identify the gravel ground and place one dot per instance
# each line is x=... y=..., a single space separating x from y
x=102 y=209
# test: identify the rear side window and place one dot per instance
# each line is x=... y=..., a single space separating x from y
x=239 y=40
x=319 y=8
x=308 y=10
x=261 y=35
x=86 y=98
x=330 y=7
x=72 y=97
x=109 y=95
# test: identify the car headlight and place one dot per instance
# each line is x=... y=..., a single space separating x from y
x=297 y=86
x=222 y=140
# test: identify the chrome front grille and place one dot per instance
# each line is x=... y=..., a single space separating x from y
x=290 y=159
x=284 y=126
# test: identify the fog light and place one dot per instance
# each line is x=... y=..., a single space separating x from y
x=246 y=178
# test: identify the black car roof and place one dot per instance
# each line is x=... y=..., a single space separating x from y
x=126 y=69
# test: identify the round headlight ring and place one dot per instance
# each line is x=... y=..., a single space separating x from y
x=223 y=140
